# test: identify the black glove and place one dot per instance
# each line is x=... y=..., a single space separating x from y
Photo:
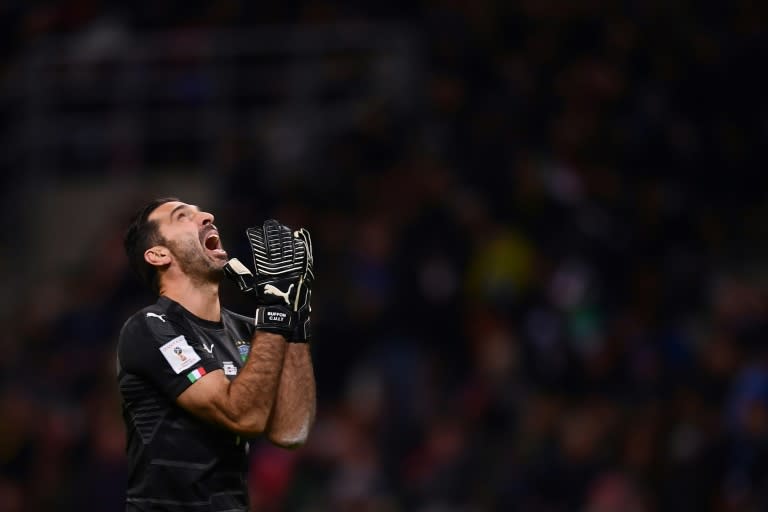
x=282 y=266
x=303 y=307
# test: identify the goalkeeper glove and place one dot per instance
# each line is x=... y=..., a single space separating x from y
x=282 y=280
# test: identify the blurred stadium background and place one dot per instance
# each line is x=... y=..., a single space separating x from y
x=540 y=230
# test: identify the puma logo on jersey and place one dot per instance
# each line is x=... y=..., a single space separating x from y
x=157 y=316
x=208 y=348
x=273 y=290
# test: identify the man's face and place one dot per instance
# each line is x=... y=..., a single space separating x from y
x=192 y=239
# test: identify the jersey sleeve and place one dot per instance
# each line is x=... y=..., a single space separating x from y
x=158 y=350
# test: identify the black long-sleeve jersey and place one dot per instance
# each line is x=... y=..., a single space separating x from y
x=178 y=462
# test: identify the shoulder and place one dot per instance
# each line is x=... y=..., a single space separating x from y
x=147 y=330
x=158 y=321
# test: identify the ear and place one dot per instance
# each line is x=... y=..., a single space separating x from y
x=158 y=256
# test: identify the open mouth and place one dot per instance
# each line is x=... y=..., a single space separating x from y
x=212 y=243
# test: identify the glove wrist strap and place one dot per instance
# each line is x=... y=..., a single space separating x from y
x=273 y=318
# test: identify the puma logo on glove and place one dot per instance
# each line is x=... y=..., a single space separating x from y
x=274 y=290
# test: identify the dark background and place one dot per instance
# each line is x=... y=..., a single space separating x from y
x=539 y=235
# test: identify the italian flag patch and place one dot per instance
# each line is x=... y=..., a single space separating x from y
x=196 y=374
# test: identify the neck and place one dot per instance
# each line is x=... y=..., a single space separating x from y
x=202 y=300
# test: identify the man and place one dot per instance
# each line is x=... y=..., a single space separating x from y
x=198 y=380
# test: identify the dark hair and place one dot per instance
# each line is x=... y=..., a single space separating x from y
x=142 y=234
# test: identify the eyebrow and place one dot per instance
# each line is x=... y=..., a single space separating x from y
x=181 y=206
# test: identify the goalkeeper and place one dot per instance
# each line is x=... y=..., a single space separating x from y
x=197 y=380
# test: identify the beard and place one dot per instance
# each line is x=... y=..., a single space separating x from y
x=193 y=261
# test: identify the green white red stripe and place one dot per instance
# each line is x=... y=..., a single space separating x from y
x=196 y=374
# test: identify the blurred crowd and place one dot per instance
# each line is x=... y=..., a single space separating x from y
x=541 y=286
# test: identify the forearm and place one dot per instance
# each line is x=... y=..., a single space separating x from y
x=251 y=395
x=295 y=402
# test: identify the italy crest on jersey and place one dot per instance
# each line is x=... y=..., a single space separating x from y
x=244 y=348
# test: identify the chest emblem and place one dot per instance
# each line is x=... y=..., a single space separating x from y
x=243 y=348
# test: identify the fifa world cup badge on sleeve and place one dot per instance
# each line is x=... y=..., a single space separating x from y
x=179 y=354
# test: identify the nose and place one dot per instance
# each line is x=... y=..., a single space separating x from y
x=206 y=218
